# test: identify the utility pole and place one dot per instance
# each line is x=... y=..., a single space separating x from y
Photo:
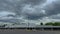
x=28 y=23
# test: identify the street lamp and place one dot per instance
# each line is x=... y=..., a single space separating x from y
x=28 y=23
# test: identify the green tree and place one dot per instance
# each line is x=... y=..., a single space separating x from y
x=53 y=24
x=41 y=23
x=49 y=23
x=56 y=24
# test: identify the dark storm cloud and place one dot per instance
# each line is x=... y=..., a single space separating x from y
x=34 y=2
x=30 y=8
x=56 y=16
x=31 y=11
x=17 y=5
x=53 y=8
x=34 y=15
x=50 y=9
x=23 y=3
x=10 y=20
x=10 y=5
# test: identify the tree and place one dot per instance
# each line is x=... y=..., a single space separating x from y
x=41 y=23
x=56 y=24
x=53 y=24
x=49 y=23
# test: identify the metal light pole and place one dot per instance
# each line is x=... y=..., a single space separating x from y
x=28 y=22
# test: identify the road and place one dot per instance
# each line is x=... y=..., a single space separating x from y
x=27 y=32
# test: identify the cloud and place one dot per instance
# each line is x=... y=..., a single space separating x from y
x=53 y=8
x=33 y=12
x=34 y=2
x=57 y=16
x=25 y=10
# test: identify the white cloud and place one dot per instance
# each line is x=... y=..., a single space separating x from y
x=5 y=13
x=29 y=8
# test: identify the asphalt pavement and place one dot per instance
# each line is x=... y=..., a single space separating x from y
x=27 y=32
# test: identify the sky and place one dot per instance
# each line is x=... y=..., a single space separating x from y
x=32 y=11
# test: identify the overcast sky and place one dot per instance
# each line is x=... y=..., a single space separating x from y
x=33 y=11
